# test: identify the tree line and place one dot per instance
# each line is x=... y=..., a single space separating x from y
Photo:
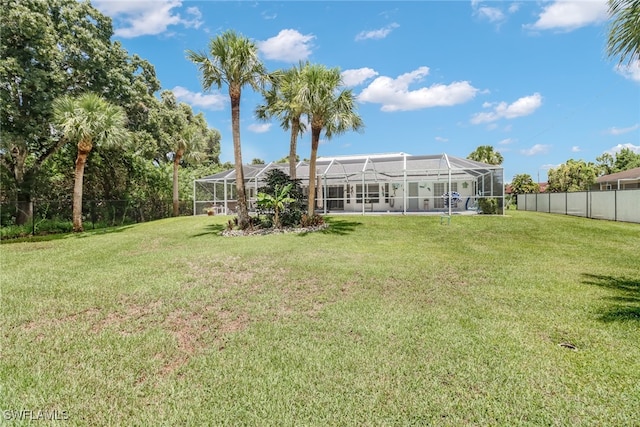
x=69 y=95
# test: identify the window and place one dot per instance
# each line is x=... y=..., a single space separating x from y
x=371 y=193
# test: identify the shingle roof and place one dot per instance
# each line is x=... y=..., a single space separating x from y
x=614 y=177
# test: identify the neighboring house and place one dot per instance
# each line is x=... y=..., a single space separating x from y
x=625 y=180
x=392 y=182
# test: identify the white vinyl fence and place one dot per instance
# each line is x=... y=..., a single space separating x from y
x=614 y=205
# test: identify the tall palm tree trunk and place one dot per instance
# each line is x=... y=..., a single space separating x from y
x=84 y=148
x=295 y=128
x=315 y=141
x=243 y=214
x=176 y=198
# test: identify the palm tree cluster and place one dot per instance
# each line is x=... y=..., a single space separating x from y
x=310 y=90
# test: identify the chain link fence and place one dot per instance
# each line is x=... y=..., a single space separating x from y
x=51 y=216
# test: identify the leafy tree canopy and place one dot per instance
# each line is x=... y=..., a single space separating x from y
x=486 y=154
x=574 y=175
x=524 y=184
x=623 y=160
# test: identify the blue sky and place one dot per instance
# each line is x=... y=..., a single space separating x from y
x=530 y=78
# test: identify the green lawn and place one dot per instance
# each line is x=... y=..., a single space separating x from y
x=379 y=320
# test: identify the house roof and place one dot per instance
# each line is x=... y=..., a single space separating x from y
x=385 y=166
x=614 y=177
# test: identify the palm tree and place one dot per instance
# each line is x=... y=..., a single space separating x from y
x=90 y=120
x=233 y=61
x=328 y=108
x=624 y=30
x=486 y=154
x=181 y=134
x=281 y=102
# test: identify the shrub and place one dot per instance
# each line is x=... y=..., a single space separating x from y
x=291 y=215
x=488 y=206
x=311 y=220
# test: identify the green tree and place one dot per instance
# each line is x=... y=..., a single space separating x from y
x=606 y=163
x=624 y=31
x=486 y=154
x=49 y=49
x=282 y=101
x=88 y=120
x=257 y=161
x=524 y=184
x=626 y=159
x=329 y=108
x=623 y=160
x=574 y=175
x=232 y=60
x=286 y=159
x=182 y=137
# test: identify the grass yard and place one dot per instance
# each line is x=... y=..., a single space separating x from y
x=528 y=319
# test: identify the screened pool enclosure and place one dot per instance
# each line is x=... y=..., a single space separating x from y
x=379 y=183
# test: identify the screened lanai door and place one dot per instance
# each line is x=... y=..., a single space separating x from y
x=412 y=203
x=335 y=197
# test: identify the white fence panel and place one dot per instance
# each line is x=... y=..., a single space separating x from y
x=628 y=205
x=530 y=201
x=603 y=205
x=543 y=202
x=615 y=205
x=558 y=203
x=578 y=203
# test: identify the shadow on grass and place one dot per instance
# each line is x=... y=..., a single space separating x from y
x=340 y=227
x=625 y=305
x=210 y=229
x=59 y=236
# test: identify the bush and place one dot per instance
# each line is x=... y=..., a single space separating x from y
x=311 y=220
x=292 y=213
x=488 y=206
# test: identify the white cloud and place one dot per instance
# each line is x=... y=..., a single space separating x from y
x=621 y=131
x=514 y=7
x=617 y=148
x=147 y=17
x=215 y=101
x=492 y=14
x=631 y=71
x=441 y=139
x=394 y=94
x=288 y=45
x=507 y=141
x=377 y=34
x=568 y=15
x=521 y=107
x=259 y=127
x=575 y=149
x=357 y=76
x=536 y=149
